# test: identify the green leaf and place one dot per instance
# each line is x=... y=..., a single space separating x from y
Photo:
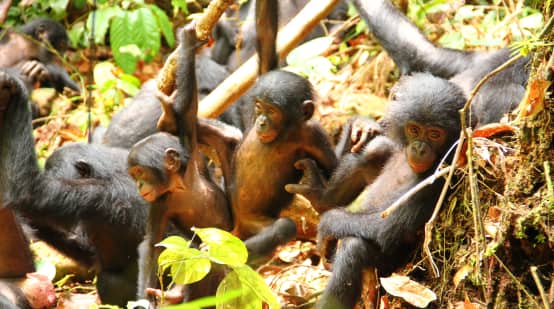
x=179 y=5
x=147 y=35
x=123 y=31
x=208 y=301
x=246 y=300
x=102 y=22
x=164 y=24
x=253 y=282
x=174 y=243
x=76 y=34
x=187 y=266
x=223 y=247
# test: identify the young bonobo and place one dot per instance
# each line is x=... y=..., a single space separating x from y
x=262 y=162
x=420 y=125
x=171 y=174
x=29 y=51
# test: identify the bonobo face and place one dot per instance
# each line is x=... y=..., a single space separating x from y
x=269 y=119
x=149 y=184
x=424 y=143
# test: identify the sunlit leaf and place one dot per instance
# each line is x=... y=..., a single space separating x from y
x=223 y=247
x=164 y=24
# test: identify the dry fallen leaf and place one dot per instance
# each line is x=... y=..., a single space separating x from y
x=460 y=275
x=412 y=292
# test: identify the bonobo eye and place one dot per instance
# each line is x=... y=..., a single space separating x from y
x=434 y=134
x=412 y=130
x=258 y=108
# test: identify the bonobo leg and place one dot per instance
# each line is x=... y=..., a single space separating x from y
x=344 y=286
x=113 y=286
x=263 y=243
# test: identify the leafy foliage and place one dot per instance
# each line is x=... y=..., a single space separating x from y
x=241 y=288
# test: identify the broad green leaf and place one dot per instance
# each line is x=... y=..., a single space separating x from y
x=147 y=35
x=223 y=247
x=164 y=24
x=247 y=298
x=132 y=49
x=174 y=243
x=308 y=50
x=252 y=281
x=187 y=266
x=102 y=22
x=46 y=268
x=123 y=31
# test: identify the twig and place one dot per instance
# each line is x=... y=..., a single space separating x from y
x=519 y=284
x=425 y=182
x=539 y=286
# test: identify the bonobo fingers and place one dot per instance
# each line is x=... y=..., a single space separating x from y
x=34 y=70
x=363 y=129
x=167 y=121
x=311 y=186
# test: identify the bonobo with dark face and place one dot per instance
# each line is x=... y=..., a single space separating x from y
x=420 y=125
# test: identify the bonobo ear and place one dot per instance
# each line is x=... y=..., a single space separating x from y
x=172 y=161
x=83 y=168
x=307 y=109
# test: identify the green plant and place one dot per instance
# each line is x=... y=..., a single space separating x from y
x=241 y=288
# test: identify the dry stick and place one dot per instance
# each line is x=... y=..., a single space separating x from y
x=539 y=287
x=204 y=26
x=236 y=84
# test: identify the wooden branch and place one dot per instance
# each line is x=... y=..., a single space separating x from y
x=204 y=26
x=238 y=83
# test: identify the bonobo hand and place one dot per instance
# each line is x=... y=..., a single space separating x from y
x=312 y=184
x=34 y=71
x=363 y=129
x=167 y=121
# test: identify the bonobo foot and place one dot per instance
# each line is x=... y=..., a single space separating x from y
x=10 y=87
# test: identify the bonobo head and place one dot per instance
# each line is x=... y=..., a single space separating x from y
x=153 y=162
x=46 y=31
x=423 y=115
x=282 y=100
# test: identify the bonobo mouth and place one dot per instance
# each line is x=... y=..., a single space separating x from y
x=148 y=196
x=266 y=137
x=419 y=167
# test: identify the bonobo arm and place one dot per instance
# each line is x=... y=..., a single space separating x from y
x=404 y=42
x=223 y=138
x=354 y=172
x=264 y=242
x=267 y=26
x=356 y=133
x=318 y=147
x=148 y=253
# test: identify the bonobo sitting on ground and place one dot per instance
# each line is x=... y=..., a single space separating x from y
x=108 y=208
x=420 y=125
